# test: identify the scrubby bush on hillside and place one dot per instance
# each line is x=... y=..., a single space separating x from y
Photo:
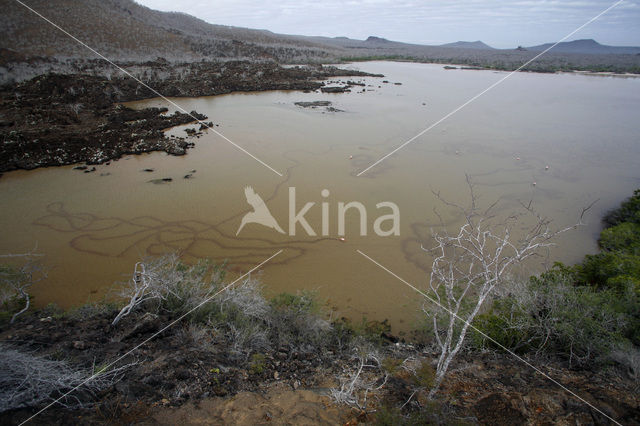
x=296 y=320
x=629 y=211
x=617 y=270
x=239 y=313
x=618 y=265
x=15 y=281
x=166 y=285
x=28 y=380
x=550 y=315
x=585 y=313
x=624 y=236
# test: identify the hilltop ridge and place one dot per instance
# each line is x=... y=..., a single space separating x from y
x=469 y=45
x=587 y=46
x=127 y=31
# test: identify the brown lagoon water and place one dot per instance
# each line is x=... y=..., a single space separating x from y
x=94 y=227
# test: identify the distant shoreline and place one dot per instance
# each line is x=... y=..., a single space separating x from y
x=57 y=119
x=533 y=67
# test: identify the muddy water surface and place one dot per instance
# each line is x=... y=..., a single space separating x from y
x=93 y=227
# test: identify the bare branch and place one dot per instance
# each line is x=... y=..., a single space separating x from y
x=16 y=280
x=469 y=266
x=28 y=379
x=356 y=386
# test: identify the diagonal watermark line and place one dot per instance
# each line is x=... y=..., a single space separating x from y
x=202 y=123
x=172 y=323
x=490 y=87
x=519 y=358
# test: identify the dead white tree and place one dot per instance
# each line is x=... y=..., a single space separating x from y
x=152 y=280
x=28 y=379
x=471 y=264
x=356 y=387
x=166 y=278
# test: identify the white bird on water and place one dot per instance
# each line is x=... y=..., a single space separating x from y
x=260 y=213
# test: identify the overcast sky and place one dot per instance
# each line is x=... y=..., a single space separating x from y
x=499 y=23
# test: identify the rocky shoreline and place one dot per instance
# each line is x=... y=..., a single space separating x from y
x=59 y=119
x=176 y=375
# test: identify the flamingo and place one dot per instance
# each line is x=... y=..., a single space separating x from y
x=260 y=213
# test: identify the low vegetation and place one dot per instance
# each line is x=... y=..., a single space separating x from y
x=505 y=60
x=30 y=380
x=15 y=280
x=239 y=314
x=234 y=329
x=587 y=314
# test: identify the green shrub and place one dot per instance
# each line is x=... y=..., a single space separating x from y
x=501 y=326
x=190 y=286
x=391 y=365
x=624 y=237
x=629 y=211
x=552 y=315
x=432 y=413
x=601 y=270
x=369 y=330
x=258 y=363
x=386 y=416
x=9 y=276
x=83 y=312
x=246 y=322
x=303 y=302
x=617 y=268
x=425 y=375
x=295 y=321
x=166 y=285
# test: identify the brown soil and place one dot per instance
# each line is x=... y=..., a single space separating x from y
x=279 y=405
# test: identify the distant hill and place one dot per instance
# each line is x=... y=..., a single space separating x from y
x=123 y=29
x=374 y=39
x=126 y=31
x=468 y=45
x=586 y=46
